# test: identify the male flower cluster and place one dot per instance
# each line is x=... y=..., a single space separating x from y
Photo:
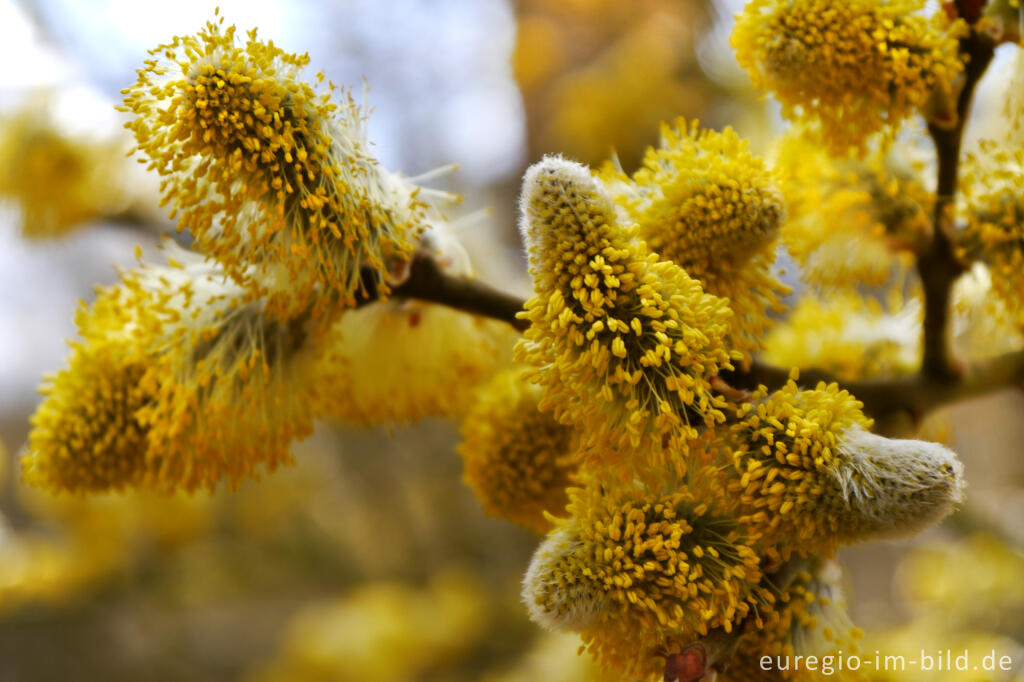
x=812 y=477
x=272 y=179
x=401 y=360
x=852 y=222
x=644 y=565
x=176 y=383
x=56 y=181
x=625 y=345
x=208 y=368
x=852 y=68
x=518 y=460
x=704 y=202
x=673 y=523
x=995 y=229
x=809 y=618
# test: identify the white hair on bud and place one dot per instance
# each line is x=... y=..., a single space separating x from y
x=448 y=252
x=897 y=487
x=559 y=605
x=549 y=177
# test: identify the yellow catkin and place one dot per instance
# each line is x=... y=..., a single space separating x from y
x=624 y=345
x=995 y=236
x=853 y=223
x=86 y=434
x=80 y=541
x=810 y=476
x=382 y=632
x=808 y=618
x=704 y=202
x=56 y=181
x=272 y=178
x=643 y=567
x=852 y=68
x=177 y=383
x=985 y=323
x=849 y=335
x=518 y=460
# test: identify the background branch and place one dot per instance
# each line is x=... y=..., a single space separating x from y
x=914 y=394
x=938 y=266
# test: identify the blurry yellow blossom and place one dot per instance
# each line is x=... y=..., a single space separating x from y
x=847 y=334
x=964 y=595
x=273 y=180
x=995 y=230
x=852 y=223
x=123 y=521
x=554 y=657
x=57 y=181
x=638 y=567
x=855 y=68
x=897 y=647
x=600 y=75
x=78 y=542
x=983 y=325
x=811 y=476
x=518 y=460
x=86 y=434
x=381 y=632
x=36 y=569
x=624 y=345
x=704 y=202
x=944 y=576
x=175 y=384
x=402 y=360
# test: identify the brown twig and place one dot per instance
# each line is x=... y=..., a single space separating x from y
x=938 y=266
x=914 y=394
x=426 y=281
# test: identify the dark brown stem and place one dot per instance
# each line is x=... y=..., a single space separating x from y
x=915 y=394
x=426 y=281
x=968 y=10
x=938 y=266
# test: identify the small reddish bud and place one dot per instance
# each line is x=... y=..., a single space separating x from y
x=689 y=665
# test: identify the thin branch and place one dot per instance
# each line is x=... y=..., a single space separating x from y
x=426 y=281
x=938 y=266
x=915 y=394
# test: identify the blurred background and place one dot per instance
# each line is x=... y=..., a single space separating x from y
x=370 y=560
